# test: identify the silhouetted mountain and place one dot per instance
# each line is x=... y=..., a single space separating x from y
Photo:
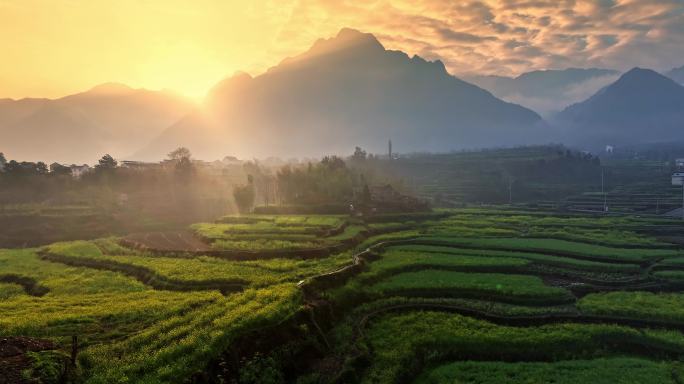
x=677 y=74
x=347 y=91
x=642 y=106
x=547 y=91
x=12 y=111
x=109 y=118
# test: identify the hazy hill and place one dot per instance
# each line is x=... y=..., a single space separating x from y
x=642 y=106
x=547 y=91
x=110 y=118
x=677 y=74
x=347 y=91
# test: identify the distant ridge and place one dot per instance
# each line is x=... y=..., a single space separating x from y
x=108 y=118
x=677 y=74
x=642 y=106
x=110 y=89
x=547 y=91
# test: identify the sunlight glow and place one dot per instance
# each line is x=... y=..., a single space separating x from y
x=62 y=47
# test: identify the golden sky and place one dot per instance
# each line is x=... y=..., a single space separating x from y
x=56 y=47
x=50 y=48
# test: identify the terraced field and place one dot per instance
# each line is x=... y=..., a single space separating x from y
x=500 y=296
x=466 y=296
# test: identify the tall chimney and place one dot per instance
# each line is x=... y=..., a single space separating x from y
x=390 y=149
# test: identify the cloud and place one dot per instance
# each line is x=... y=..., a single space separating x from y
x=451 y=35
x=505 y=37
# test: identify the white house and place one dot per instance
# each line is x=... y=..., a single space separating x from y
x=79 y=170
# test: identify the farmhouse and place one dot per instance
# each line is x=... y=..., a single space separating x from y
x=79 y=170
x=139 y=164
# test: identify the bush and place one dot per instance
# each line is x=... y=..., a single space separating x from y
x=244 y=197
x=261 y=370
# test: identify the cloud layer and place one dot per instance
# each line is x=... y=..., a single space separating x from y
x=54 y=48
x=505 y=37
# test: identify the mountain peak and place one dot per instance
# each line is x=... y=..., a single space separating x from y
x=642 y=105
x=637 y=71
x=232 y=85
x=242 y=75
x=354 y=35
x=348 y=89
x=110 y=88
x=348 y=44
x=638 y=88
x=347 y=38
x=643 y=80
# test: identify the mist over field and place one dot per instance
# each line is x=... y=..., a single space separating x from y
x=429 y=192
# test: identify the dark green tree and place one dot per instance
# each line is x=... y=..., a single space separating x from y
x=365 y=194
x=244 y=196
x=261 y=370
x=179 y=153
x=41 y=168
x=359 y=155
x=25 y=168
x=184 y=169
x=107 y=162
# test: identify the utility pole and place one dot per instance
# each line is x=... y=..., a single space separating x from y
x=678 y=179
x=603 y=191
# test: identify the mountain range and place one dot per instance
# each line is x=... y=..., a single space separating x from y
x=109 y=118
x=677 y=74
x=548 y=91
x=642 y=106
x=346 y=91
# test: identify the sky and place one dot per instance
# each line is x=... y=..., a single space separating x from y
x=51 y=48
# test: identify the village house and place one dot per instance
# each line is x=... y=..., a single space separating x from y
x=79 y=170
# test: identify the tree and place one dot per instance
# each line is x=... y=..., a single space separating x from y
x=184 y=168
x=25 y=168
x=332 y=163
x=359 y=154
x=263 y=181
x=107 y=162
x=327 y=182
x=3 y=161
x=366 y=194
x=244 y=196
x=182 y=158
x=261 y=370
x=13 y=168
x=41 y=168
x=179 y=154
